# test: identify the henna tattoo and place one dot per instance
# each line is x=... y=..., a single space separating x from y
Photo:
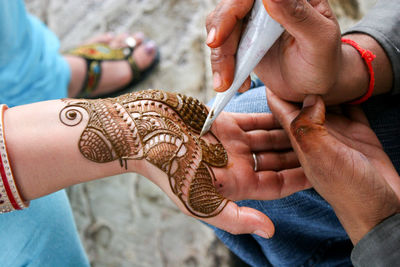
x=162 y=128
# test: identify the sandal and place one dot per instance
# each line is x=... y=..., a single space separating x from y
x=95 y=54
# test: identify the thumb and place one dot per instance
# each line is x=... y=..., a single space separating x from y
x=308 y=126
x=304 y=20
x=314 y=146
x=243 y=220
x=305 y=128
x=319 y=152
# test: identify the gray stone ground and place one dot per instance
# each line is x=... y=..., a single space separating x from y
x=126 y=220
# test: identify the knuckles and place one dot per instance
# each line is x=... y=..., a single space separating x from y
x=210 y=21
x=298 y=11
x=228 y=10
x=217 y=55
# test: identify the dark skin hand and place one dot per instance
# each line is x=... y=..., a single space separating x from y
x=343 y=160
x=309 y=57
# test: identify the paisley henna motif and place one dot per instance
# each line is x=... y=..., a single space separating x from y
x=162 y=128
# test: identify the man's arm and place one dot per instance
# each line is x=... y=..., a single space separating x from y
x=380 y=247
x=309 y=58
x=382 y=25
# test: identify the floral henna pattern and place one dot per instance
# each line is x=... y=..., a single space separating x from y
x=162 y=128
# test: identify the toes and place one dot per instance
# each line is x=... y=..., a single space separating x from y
x=120 y=40
x=139 y=37
x=117 y=41
x=144 y=54
x=103 y=38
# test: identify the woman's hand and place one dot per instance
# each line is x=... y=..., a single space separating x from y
x=343 y=160
x=278 y=170
x=154 y=133
x=242 y=135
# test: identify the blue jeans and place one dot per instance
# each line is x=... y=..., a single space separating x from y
x=308 y=232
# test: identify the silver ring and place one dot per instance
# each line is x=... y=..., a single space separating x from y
x=255 y=162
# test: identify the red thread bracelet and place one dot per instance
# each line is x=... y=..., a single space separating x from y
x=368 y=57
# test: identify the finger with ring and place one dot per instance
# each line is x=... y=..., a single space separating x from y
x=255 y=162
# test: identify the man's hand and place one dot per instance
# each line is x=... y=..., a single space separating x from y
x=308 y=58
x=343 y=160
x=304 y=60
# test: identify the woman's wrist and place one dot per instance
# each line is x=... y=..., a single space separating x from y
x=43 y=152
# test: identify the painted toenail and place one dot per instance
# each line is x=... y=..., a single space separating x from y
x=150 y=47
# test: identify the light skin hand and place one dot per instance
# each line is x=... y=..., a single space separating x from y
x=279 y=173
x=241 y=135
x=308 y=58
x=343 y=160
x=60 y=153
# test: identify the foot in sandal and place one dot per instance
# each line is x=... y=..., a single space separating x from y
x=109 y=65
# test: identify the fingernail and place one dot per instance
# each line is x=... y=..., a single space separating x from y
x=262 y=234
x=217 y=82
x=211 y=36
x=150 y=47
x=309 y=101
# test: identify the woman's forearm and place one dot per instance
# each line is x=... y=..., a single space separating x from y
x=44 y=153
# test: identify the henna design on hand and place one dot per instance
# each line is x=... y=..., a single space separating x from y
x=161 y=127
